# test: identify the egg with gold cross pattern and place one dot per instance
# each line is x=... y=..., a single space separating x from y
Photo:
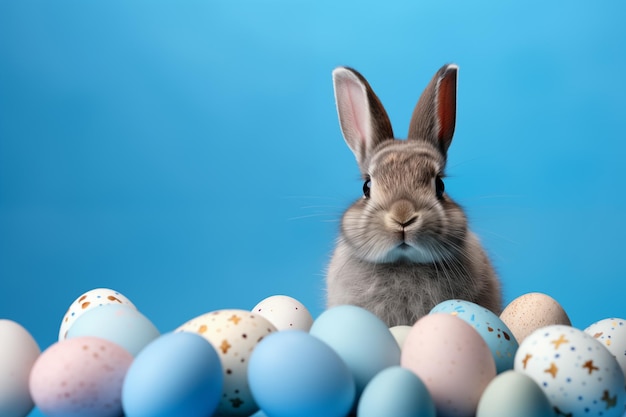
x=234 y=334
x=577 y=374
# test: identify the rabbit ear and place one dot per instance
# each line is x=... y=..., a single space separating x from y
x=434 y=116
x=364 y=121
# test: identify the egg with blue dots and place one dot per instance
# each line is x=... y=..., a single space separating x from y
x=611 y=333
x=576 y=372
x=492 y=329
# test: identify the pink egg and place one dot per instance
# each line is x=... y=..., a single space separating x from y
x=452 y=359
x=80 y=377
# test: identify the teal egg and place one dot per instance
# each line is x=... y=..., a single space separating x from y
x=177 y=374
x=496 y=334
x=116 y=323
x=361 y=339
x=293 y=374
x=397 y=392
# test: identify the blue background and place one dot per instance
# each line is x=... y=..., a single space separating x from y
x=188 y=154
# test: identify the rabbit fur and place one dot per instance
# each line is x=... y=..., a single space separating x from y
x=405 y=245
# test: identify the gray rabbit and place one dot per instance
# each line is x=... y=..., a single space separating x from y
x=405 y=245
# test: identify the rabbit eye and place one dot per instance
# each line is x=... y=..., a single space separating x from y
x=439 y=187
x=367 y=185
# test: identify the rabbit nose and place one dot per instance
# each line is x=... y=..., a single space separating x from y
x=402 y=213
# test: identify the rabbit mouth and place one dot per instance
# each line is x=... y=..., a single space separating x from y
x=406 y=252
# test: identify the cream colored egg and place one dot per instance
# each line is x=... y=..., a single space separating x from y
x=400 y=333
x=234 y=334
x=284 y=312
x=532 y=311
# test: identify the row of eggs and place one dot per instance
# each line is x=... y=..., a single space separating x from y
x=275 y=360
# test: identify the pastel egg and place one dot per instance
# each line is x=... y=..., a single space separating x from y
x=177 y=374
x=361 y=339
x=80 y=377
x=285 y=313
x=294 y=374
x=532 y=311
x=496 y=334
x=514 y=394
x=452 y=359
x=577 y=374
x=18 y=353
x=91 y=299
x=611 y=333
x=234 y=334
x=117 y=323
x=397 y=392
x=400 y=333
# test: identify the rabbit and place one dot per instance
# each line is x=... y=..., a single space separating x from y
x=405 y=245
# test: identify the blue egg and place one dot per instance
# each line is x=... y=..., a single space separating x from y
x=360 y=338
x=116 y=323
x=496 y=334
x=396 y=392
x=293 y=374
x=178 y=374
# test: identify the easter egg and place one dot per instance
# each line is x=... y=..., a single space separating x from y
x=611 y=333
x=177 y=374
x=80 y=377
x=234 y=334
x=400 y=333
x=117 y=323
x=91 y=299
x=532 y=311
x=397 y=392
x=514 y=394
x=18 y=353
x=294 y=374
x=452 y=359
x=577 y=374
x=285 y=313
x=494 y=332
x=361 y=339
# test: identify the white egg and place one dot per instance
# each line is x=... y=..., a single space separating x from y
x=400 y=333
x=18 y=353
x=612 y=334
x=93 y=298
x=234 y=334
x=578 y=375
x=285 y=313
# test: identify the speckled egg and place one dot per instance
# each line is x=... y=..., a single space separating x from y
x=80 y=377
x=532 y=311
x=611 y=333
x=452 y=359
x=18 y=353
x=578 y=375
x=496 y=334
x=234 y=334
x=93 y=298
x=285 y=313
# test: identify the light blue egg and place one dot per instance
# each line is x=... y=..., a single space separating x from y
x=178 y=374
x=116 y=323
x=513 y=394
x=396 y=392
x=496 y=334
x=360 y=338
x=293 y=374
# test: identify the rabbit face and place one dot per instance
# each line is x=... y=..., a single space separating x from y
x=404 y=214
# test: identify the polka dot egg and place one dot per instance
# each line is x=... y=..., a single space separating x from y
x=578 y=375
x=234 y=334
x=611 y=333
